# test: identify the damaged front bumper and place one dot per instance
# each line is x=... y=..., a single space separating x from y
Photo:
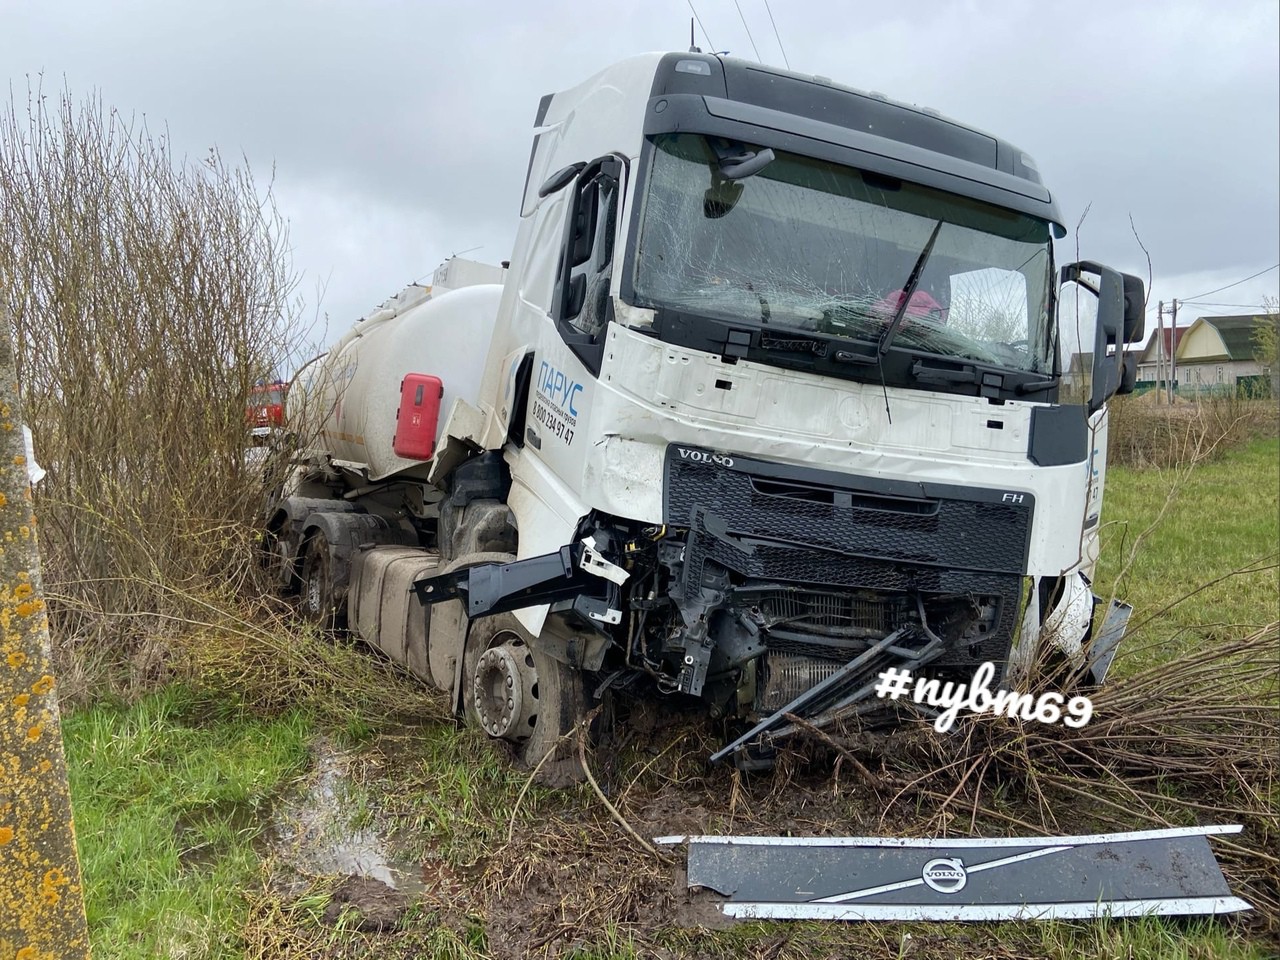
x=773 y=591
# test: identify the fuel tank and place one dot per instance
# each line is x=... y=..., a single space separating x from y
x=355 y=394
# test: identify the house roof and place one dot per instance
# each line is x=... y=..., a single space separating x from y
x=1080 y=363
x=1149 y=351
x=1234 y=332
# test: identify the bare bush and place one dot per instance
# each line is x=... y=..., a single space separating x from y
x=149 y=294
x=1191 y=739
x=1266 y=341
x=1144 y=434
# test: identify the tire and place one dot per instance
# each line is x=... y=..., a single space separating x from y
x=281 y=574
x=548 y=697
x=269 y=552
x=317 y=602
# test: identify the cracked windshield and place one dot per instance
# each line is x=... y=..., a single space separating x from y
x=813 y=247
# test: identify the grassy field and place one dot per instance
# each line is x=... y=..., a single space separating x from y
x=1209 y=534
x=173 y=793
x=169 y=796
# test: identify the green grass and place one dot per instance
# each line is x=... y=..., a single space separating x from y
x=463 y=794
x=1142 y=939
x=1154 y=937
x=169 y=795
x=184 y=771
x=1193 y=528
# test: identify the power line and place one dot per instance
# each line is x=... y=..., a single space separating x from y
x=1230 y=285
x=778 y=38
x=754 y=49
x=1214 y=303
x=710 y=46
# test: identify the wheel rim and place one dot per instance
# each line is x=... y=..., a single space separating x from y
x=315 y=577
x=313 y=593
x=505 y=690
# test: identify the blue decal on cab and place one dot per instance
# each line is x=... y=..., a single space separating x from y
x=556 y=386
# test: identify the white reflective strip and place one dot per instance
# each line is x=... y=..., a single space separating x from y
x=1001 y=911
x=988 y=865
x=933 y=843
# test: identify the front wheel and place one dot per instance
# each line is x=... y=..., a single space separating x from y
x=515 y=692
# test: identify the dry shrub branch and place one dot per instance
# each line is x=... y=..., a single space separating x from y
x=1195 y=739
x=149 y=294
x=1143 y=433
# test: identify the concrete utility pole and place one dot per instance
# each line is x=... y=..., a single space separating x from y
x=1159 y=351
x=1173 y=355
x=41 y=900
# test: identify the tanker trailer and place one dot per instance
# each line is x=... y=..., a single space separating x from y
x=365 y=422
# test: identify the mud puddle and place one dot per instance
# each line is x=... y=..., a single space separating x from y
x=330 y=826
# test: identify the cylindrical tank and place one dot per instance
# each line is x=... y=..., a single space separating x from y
x=356 y=391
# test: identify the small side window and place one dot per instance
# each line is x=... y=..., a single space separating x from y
x=582 y=286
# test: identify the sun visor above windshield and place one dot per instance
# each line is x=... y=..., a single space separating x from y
x=837 y=144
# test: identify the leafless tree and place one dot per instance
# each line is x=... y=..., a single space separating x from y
x=149 y=293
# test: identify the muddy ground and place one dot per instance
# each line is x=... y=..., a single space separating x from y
x=530 y=870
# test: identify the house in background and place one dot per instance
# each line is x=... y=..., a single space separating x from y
x=1216 y=355
x=1156 y=350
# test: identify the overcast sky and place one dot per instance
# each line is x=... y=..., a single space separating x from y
x=399 y=132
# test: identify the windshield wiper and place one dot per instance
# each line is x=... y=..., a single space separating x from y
x=913 y=281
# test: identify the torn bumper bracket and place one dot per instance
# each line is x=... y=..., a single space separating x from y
x=1103 y=649
x=490 y=588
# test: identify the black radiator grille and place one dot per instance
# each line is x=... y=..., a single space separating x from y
x=771 y=524
x=795 y=564
x=801 y=610
x=935 y=525
x=789 y=675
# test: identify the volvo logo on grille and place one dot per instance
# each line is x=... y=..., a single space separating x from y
x=945 y=874
x=703 y=456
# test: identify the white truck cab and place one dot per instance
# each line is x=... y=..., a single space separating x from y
x=769 y=396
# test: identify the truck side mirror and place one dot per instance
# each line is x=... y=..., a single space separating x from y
x=560 y=179
x=1135 y=305
x=1108 y=368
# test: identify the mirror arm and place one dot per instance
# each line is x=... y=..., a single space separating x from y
x=739 y=168
x=560 y=179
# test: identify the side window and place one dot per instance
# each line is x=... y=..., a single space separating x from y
x=582 y=284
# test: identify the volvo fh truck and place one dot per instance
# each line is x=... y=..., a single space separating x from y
x=781 y=385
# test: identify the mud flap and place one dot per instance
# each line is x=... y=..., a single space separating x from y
x=1163 y=872
x=1103 y=649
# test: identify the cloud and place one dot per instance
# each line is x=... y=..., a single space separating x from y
x=399 y=131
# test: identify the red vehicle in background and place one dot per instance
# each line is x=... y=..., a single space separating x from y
x=264 y=410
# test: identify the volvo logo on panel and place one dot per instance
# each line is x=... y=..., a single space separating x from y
x=945 y=874
x=702 y=456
